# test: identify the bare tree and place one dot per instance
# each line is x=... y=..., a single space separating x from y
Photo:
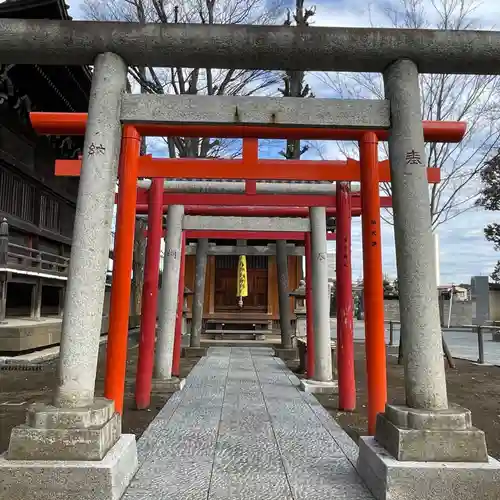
x=191 y=81
x=194 y=81
x=294 y=80
x=473 y=99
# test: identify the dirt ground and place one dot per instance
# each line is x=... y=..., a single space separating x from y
x=469 y=385
x=475 y=387
x=19 y=389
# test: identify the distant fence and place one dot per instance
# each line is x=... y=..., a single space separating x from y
x=474 y=329
x=461 y=311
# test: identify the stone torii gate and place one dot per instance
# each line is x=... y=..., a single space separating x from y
x=417 y=445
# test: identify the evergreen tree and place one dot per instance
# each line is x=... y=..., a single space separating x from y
x=489 y=199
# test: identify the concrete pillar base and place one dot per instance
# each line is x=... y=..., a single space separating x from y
x=167 y=386
x=53 y=433
x=186 y=327
x=317 y=387
x=430 y=436
x=194 y=352
x=302 y=351
x=390 y=479
x=104 y=479
x=286 y=354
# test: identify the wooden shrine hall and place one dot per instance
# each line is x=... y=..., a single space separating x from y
x=261 y=306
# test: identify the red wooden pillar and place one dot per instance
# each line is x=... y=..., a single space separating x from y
x=373 y=280
x=345 y=339
x=309 y=309
x=176 y=361
x=149 y=305
x=116 y=360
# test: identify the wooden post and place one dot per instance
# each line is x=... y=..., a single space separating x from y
x=36 y=301
x=4 y=249
x=4 y=242
x=447 y=352
x=480 y=345
x=62 y=295
x=3 y=298
x=400 y=350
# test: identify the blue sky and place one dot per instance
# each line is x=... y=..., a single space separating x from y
x=463 y=249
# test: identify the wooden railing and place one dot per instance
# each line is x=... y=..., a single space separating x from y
x=23 y=258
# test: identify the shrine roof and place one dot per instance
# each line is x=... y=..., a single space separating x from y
x=35 y=9
x=50 y=88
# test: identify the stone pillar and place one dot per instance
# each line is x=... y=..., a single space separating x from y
x=323 y=369
x=425 y=380
x=323 y=358
x=426 y=430
x=36 y=301
x=71 y=439
x=199 y=292
x=283 y=298
x=169 y=293
x=91 y=235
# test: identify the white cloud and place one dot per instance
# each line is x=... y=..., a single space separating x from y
x=74 y=9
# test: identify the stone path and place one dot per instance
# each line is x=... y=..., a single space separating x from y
x=240 y=429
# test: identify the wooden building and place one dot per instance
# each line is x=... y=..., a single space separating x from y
x=38 y=207
x=221 y=301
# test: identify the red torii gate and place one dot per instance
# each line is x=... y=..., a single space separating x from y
x=220 y=168
x=74 y=124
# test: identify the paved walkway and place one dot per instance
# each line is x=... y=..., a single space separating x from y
x=240 y=429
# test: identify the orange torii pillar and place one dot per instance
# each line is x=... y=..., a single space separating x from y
x=176 y=355
x=373 y=280
x=345 y=339
x=116 y=359
x=149 y=306
x=309 y=309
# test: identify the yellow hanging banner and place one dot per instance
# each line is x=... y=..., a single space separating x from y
x=242 y=277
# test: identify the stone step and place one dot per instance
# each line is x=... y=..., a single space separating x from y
x=237 y=334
